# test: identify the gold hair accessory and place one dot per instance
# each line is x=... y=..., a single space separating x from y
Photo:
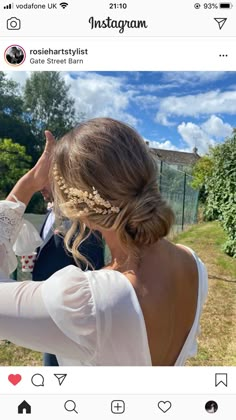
x=93 y=199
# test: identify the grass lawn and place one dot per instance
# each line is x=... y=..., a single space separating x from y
x=217 y=343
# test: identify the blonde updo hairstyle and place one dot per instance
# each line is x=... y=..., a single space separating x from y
x=111 y=157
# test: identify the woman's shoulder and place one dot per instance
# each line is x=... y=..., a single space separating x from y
x=68 y=288
x=72 y=287
x=201 y=267
x=110 y=285
x=189 y=251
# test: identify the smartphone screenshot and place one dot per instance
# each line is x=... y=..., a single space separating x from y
x=117 y=209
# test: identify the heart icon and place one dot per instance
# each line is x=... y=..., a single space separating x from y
x=14 y=379
x=164 y=406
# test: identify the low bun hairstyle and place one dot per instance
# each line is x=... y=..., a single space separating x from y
x=111 y=157
x=145 y=219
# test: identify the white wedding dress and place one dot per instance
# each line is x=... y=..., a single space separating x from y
x=90 y=318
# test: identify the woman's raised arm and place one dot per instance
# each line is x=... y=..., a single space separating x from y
x=12 y=209
x=36 y=179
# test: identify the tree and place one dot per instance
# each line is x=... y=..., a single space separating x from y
x=201 y=171
x=10 y=97
x=221 y=190
x=12 y=121
x=14 y=163
x=48 y=105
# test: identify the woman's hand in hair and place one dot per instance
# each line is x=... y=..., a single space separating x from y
x=38 y=175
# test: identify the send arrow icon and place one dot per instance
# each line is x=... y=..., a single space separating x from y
x=220 y=21
x=60 y=377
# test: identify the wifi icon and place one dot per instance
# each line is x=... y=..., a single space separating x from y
x=64 y=5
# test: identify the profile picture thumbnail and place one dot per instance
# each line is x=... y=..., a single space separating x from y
x=15 y=55
x=211 y=407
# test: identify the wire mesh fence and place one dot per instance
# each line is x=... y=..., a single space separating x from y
x=175 y=187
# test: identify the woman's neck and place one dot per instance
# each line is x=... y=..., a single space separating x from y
x=119 y=258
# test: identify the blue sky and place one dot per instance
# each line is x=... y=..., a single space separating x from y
x=173 y=110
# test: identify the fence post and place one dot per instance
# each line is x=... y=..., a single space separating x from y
x=161 y=170
x=196 y=208
x=184 y=192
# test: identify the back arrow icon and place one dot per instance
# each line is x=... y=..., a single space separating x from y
x=220 y=21
x=60 y=377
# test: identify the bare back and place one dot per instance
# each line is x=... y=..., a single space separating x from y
x=166 y=285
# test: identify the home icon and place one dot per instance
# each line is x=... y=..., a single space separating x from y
x=24 y=407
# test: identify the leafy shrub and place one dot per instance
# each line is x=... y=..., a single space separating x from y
x=221 y=190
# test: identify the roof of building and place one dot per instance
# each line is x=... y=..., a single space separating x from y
x=175 y=157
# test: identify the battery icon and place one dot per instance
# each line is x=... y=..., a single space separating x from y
x=225 y=5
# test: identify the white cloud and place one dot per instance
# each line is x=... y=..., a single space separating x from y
x=204 y=135
x=147 y=101
x=167 y=145
x=175 y=79
x=212 y=102
x=192 y=77
x=162 y=119
x=18 y=76
x=163 y=144
x=215 y=126
x=150 y=87
x=195 y=136
x=99 y=96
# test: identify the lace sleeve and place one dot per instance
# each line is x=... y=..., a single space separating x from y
x=10 y=224
x=10 y=220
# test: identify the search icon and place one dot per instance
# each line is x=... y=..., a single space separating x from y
x=37 y=379
x=70 y=405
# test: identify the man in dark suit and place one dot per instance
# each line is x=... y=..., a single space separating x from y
x=52 y=256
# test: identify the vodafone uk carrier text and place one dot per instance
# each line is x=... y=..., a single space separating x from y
x=39 y=56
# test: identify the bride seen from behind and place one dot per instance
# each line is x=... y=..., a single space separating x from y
x=144 y=307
